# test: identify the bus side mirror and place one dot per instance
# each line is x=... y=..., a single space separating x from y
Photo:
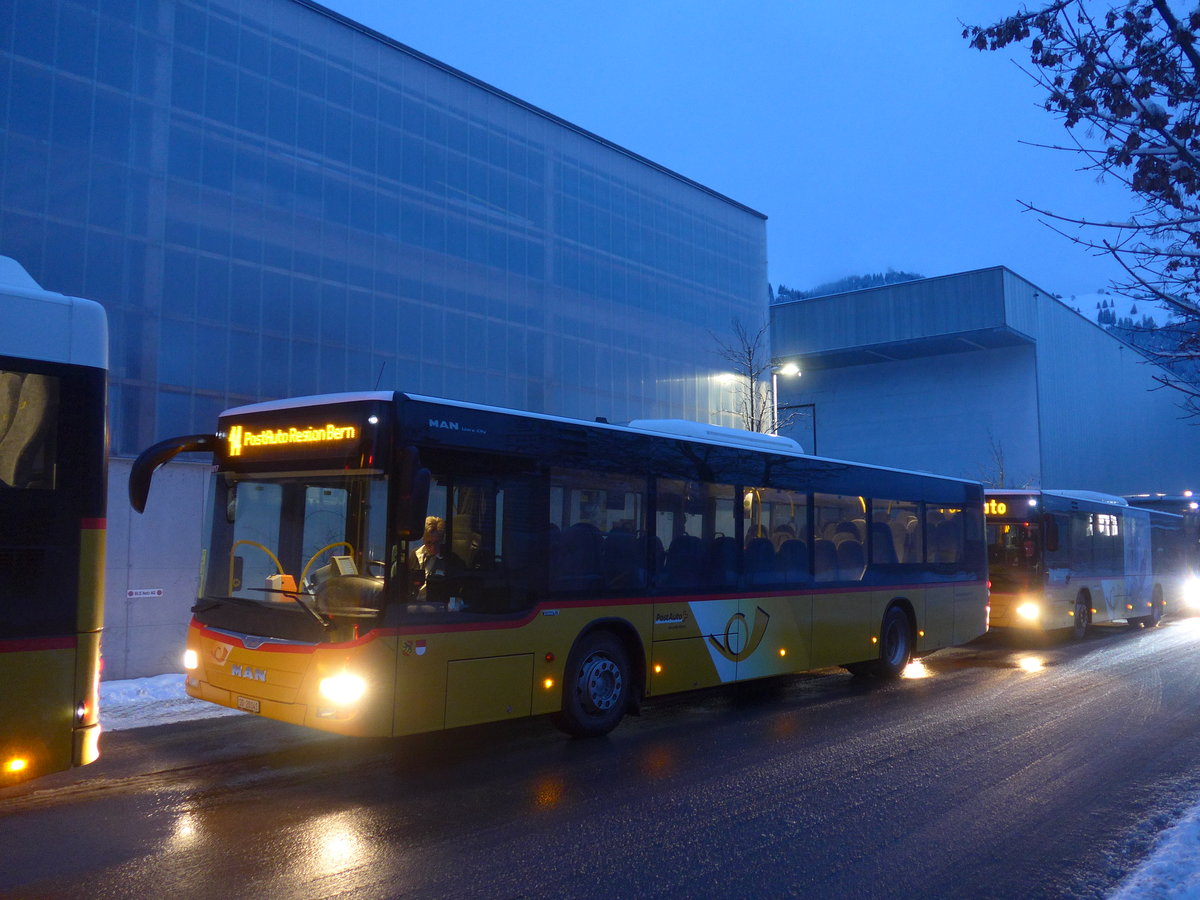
x=414 y=496
x=1050 y=533
x=159 y=454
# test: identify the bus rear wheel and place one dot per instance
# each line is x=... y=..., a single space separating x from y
x=596 y=686
x=1083 y=618
x=895 y=644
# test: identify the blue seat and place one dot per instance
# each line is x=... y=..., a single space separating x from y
x=760 y=562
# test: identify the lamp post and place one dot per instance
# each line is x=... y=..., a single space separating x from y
x=777 y=369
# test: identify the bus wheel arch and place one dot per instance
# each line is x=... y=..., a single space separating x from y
x=1082 y=615
x=602 y=679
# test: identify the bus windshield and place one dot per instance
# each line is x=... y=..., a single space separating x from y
x=1014 y=555
x=316 y=540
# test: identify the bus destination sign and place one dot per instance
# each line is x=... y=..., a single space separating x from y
x=240 y=440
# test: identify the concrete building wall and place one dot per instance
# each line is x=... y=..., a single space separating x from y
x=153 y=562
x=961 y=414
x=1106 y=423
x=983 y=375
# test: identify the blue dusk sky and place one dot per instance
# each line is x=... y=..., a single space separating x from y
x=868 y=131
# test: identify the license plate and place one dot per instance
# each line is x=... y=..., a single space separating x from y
x=247 y=704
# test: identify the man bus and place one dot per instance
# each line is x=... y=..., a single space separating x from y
x=574 y=568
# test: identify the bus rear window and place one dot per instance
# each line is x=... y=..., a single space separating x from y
x=28 y=417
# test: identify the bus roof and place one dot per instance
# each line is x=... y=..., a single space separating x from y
x=1089 y=496
x=679 y=428
x=44 y=325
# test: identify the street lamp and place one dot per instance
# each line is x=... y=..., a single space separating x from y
x=777 y=369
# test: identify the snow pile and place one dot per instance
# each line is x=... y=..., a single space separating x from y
x=159 y=700
x=1172 y=870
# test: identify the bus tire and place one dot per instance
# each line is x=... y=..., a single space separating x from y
x=895 y=644
x=1083 y=618
x=596 y=686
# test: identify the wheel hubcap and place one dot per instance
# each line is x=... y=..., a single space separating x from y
x=600 y=684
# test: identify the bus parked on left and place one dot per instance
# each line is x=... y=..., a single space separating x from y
x=53 y=469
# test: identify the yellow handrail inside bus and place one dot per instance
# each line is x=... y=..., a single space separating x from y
x=315 y=556
x=265 y=549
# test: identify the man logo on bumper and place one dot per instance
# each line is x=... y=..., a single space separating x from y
x=248 y=672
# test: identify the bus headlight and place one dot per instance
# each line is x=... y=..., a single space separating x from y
x=343 y=688
x=191 y=659
x=1030 y=612
x=1191 y=592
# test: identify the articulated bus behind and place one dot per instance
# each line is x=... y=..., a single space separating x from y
x=53 y=459
x=1062 y=560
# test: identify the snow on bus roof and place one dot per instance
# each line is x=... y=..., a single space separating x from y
x=47 y=325
x=698 y=431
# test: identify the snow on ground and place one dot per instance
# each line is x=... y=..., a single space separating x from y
x=158 y=700
x=1171 y=872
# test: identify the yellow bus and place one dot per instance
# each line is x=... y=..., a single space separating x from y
x=53 y=464
x=387 y=563
x=1072 y=559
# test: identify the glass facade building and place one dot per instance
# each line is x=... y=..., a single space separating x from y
x=272 y=200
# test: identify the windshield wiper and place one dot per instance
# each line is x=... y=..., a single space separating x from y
x=295 y=595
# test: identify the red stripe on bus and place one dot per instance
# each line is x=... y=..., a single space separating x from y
x=94 y=524
x=225 y=637
x=29 y=645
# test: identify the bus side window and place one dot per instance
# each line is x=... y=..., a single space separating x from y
x=598 y=524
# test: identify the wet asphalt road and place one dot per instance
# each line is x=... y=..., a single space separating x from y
x=984 y=779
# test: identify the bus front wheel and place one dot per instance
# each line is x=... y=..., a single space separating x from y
x=596 y=686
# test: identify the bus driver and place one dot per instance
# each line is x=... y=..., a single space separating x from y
x=431 y=558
